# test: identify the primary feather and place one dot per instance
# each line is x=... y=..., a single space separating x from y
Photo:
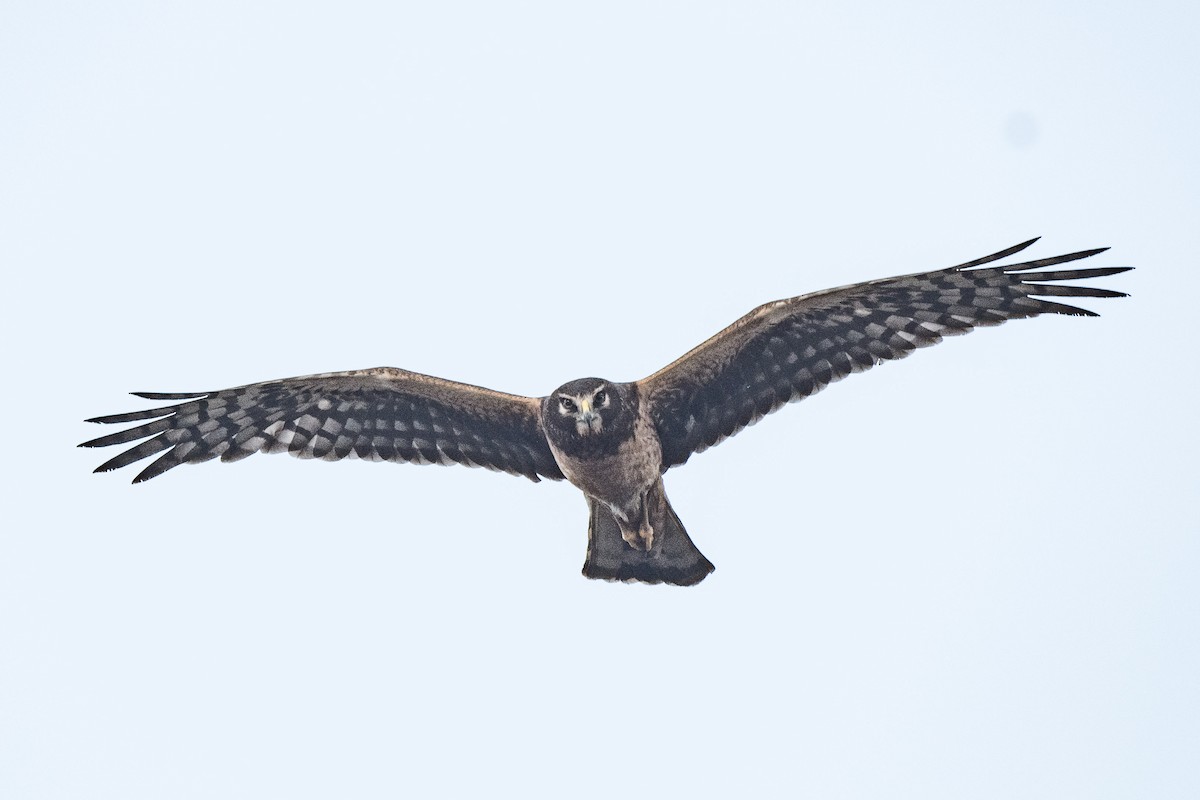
x=789 y=349
x=382 y=414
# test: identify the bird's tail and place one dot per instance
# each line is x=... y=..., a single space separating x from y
x=672 y=558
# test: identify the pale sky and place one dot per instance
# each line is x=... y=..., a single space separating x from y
x=971 y=573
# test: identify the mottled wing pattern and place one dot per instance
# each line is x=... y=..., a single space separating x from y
x=787 y=350
x=380 y=414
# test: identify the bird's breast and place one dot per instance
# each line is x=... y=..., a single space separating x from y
x=621 y=474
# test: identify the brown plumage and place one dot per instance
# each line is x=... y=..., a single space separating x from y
x=612 y=440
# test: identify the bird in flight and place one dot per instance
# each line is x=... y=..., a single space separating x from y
x=612 y=440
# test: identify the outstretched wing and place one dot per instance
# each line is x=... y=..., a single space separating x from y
x=380 y=414
x=787 y=350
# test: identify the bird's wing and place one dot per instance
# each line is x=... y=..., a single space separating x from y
x=380 y=414
x=787 y=350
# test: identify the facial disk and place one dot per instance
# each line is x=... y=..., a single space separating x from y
x=584 y=405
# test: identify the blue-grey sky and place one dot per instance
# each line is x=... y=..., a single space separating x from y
x=972 y=573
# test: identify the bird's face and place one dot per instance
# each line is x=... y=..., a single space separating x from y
x=584 y=404
x=587 y=407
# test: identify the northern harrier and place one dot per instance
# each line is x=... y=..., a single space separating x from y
x=612 y=440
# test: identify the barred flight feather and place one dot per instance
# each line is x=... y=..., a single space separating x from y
x=383 y=414
x=787 y=350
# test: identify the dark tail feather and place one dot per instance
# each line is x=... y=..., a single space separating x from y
x=673 y=558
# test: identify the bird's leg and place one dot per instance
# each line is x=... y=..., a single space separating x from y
x=636 y=529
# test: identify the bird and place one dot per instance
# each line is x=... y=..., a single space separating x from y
x=612 y=440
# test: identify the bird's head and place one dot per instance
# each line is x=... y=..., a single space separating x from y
x=587 y=407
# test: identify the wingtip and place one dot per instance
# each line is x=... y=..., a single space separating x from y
x=1005 y=253
x=168 y=395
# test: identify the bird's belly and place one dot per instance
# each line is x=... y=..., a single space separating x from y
x=619 y=480
x=614 y=480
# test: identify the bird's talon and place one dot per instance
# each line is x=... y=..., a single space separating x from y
x=642 y=539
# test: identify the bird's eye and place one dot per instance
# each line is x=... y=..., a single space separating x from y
x=567 y=403
x=600 y=397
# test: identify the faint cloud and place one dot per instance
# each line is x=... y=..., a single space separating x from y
x=1021 y=130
